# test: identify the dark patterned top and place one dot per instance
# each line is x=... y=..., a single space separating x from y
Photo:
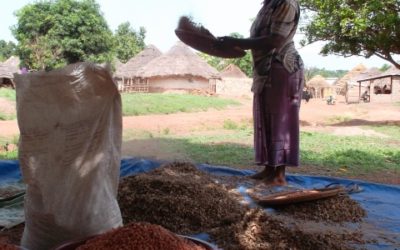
x=275 y=17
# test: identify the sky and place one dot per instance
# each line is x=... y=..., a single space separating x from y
x=160 y=18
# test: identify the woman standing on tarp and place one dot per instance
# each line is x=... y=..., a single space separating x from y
x=277 y=87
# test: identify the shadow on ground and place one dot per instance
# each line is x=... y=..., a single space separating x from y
x=345 y=164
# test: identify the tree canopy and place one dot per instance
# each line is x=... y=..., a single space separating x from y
x=354 y=27
x=128 y=42
x=7 y=49
x=51 y=34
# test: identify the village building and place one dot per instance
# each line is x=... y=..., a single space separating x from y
x=179 y=70
x=7 y=71
x=319 y=87
x=126 y=75
x=349 y=85
x=383 y=87
x=234 y=82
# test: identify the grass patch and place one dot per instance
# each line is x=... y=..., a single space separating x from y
x=357 y=154
x=131 y=134
x=12 y=153
x=242 y=125
x=389 y=130
x=339 y=119
x=155 y=103
x=228 y=149
x=8 y=94
x=6 y=117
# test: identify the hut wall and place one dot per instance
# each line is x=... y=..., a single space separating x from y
x=352 y=93
x=234 y=87
x=178 y=83
x=396 y=89
x=131 y=85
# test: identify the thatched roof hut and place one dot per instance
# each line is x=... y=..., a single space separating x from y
x=383 y=87
x=7 y=70
x=178 y=70
x=180 y=60
x=317 y=81
x=319 y=87
x=131 y=67
x=347 y=78
x=368 y=73
x=392 y=71
x=232 y=71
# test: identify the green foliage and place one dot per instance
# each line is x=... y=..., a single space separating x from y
x=128 y=41
x=153 y=103
x=7 y=49
x=384 y=67
x=245 y=63
x=52 y=34
x=355 y=27
x=313 y=71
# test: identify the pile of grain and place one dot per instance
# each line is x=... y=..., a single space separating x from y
x=336 y=209
x=184 y=200
x=260 y=231
x=187 y=201
x=139 y=236
x=178 y=197
x=5 y=246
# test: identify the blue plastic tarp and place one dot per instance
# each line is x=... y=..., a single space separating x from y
x=381 y=202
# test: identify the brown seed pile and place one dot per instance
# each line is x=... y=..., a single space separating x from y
x=5 y=246
x=260 y=231
x=180 y=198
x=12 y=235
x=185 y=200
x=139 y=236
x=336 y=209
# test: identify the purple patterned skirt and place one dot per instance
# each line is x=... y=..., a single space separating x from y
x=276 y=118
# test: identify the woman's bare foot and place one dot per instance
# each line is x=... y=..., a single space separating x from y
x=268 y=171
x=272 y=176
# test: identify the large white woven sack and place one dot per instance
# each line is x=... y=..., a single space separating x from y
x=69 y=152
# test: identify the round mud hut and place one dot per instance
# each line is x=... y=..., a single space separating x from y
x=234 y=82
x=179 y=70
x=7 y=71
x=126 y=75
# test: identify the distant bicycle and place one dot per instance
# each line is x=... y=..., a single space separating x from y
x=330 y=100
